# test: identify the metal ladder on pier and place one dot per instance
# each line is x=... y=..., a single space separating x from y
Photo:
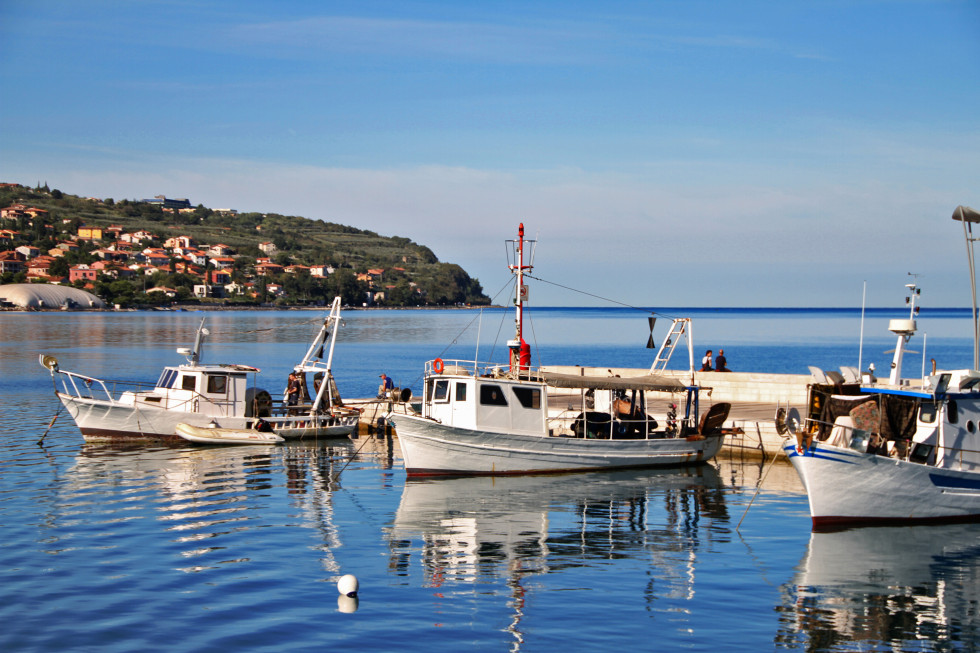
x=679 y=328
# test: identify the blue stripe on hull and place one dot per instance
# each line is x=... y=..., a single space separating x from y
x=955 y=482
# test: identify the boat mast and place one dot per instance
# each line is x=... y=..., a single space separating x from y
x=519 y=351
x=329 y=329
x=905 y=329
x=193 y=354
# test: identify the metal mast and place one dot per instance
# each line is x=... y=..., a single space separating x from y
x=968 y=217
x=904 y=329
x=516 y=264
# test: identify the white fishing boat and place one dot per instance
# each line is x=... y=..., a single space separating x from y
x=491 y=419
x=902 y=451
x=200 y=394
x=214 y=435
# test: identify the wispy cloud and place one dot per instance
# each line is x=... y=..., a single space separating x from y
x=631 y=226
x=499 y=42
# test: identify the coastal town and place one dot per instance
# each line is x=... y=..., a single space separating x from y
x=47 y=238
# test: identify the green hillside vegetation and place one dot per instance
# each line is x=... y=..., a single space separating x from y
x=412 y=274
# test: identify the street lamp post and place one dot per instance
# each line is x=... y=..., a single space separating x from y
x=969 y=217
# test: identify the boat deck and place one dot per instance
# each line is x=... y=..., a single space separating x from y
x=752 y=421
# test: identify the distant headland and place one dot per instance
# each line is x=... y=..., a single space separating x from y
x=161 y=252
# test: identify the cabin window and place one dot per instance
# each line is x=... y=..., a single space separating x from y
x=951 y=413
x=529 y=397
x=217 y=384
x=970 y=426
x=167 y=379
x=921 y=453
x=927 y=413
x=460 y=391
x=440 y=391
x=188 y=383
x=492 y=395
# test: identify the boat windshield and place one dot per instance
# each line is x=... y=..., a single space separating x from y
x=167 y=378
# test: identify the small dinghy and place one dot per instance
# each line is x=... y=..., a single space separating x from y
x=211 y=435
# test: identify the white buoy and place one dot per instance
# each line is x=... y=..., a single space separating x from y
x=347 y=585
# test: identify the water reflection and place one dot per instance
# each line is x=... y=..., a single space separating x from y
x=902 y=587
x=474 y=530
x=204 y=500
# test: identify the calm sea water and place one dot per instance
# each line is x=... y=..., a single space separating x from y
x=149 y=548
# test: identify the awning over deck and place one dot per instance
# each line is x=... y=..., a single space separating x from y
x=645 y=382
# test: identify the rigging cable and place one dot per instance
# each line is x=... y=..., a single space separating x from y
x=465 y=328
x=605 y=299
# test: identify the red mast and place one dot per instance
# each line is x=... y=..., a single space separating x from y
x=520 y=352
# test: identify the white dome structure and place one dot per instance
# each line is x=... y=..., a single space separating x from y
x=45 y=295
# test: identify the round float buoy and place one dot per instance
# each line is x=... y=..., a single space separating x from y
x=438 y=366
x=347 y=585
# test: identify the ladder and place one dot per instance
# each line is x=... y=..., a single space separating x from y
x=679 y=328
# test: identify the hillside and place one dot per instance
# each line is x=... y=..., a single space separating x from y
x=263 y=257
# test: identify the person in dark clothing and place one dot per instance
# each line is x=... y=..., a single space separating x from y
x=721 y=362
x=292 y=389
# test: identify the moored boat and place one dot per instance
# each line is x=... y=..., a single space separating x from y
x=495 y=419
x=214 y=435
x=896 y=452
x=201 y=394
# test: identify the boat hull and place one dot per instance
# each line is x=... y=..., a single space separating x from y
x=100 y=420
x=432 y=449
x=847 y=487
x=225 y=436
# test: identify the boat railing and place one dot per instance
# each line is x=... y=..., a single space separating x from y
x=88 y=387
x=80 y=386
x=476 y=368
x=454 y=366
x=579 y=424
x=862 y=441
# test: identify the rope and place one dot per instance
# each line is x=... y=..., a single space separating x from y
x=455 y=339
x=291 y=325
x=605 y=299
x=51 y=423
x=335 y=476
x=758 y=488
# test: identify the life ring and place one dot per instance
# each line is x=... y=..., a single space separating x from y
x=438 y=366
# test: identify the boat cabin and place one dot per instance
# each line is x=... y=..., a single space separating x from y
x=937 y=425
x=492 y=404
x=214 y=390
x=552 y=404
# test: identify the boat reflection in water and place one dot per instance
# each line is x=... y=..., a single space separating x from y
x=472 y=530
x=903 y=587
x=207 y=501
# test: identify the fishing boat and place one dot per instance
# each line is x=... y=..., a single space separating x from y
x=201 y=395
x=214 y=435
x=486 y=419
x=904 y=451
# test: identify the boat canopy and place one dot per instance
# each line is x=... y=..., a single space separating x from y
x=646 y=382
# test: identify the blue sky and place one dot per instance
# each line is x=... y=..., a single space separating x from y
x=663 y=153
